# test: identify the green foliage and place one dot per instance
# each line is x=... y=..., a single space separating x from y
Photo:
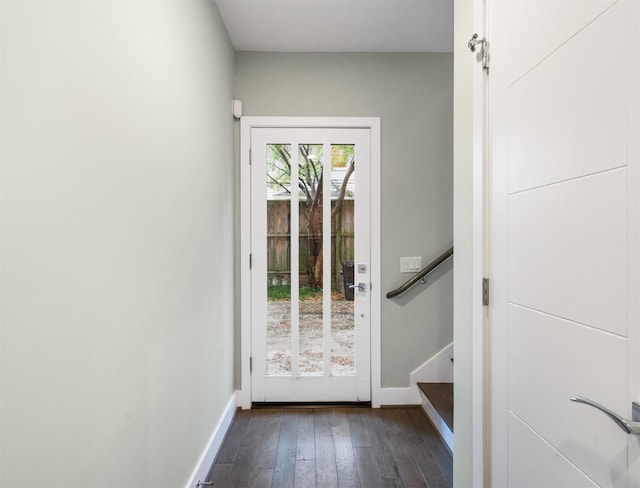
x=283 y=292
x=279 y=160
x=342 y=154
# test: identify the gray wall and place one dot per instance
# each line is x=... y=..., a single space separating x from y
x=413 y=95
x=117 y=238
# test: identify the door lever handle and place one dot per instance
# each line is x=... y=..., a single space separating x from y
x=631 y=427
x=360 y=286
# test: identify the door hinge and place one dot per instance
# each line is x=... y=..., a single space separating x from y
x=484 y=45
x=485 y=291
x=250 y=260
x=250 y=159
x=251 y=365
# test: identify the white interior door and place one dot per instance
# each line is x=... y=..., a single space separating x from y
x=310 y=266
x=564 y=240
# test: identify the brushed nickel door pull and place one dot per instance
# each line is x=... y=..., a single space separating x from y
x=631 y=427
x=362 y=286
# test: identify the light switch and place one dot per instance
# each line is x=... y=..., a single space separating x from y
x=410 y=264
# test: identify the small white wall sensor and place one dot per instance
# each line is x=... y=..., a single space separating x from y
x=237 y=108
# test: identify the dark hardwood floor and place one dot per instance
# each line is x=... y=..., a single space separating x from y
x=332 y=447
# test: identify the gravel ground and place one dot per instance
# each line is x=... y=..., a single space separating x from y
x=311 y=361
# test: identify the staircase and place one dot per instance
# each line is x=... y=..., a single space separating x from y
x=436 y=398
x=437 y=402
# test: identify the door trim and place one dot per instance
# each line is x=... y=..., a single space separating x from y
x=471 y=238
x=246 y=125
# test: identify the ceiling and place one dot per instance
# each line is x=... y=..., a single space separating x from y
x=339 y=25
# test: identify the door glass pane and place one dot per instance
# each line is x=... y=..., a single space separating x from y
x=343 y=178
x=311 y=262
x=310 y=258
x=278 y=259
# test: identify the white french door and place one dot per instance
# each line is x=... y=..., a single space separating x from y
x=310 y=264
x=564 y=143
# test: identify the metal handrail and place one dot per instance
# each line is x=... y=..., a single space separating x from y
x=420 y=277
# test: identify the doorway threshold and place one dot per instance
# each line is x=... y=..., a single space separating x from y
x=257 y=405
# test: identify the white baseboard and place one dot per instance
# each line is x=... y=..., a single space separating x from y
x=438 y=369
x=240 y=400
x=215 y=442
x=440 y=425
x=399 y=396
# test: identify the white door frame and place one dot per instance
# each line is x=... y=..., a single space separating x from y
x=471 y=231
x=249 y=123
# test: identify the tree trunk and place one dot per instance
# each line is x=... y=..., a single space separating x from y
x=315 y=226
x=315 y=237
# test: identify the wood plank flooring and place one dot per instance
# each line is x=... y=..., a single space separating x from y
x=332 y=448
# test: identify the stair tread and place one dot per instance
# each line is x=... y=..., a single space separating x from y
x=441 y=397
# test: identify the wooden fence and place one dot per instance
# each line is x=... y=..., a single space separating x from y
x=279 y=239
